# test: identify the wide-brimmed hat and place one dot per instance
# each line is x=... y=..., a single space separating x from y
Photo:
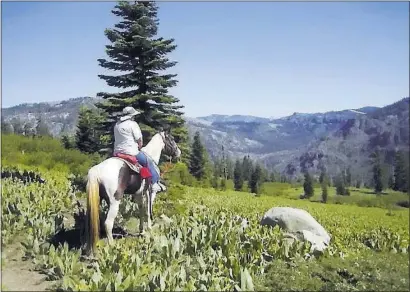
x=128 y=112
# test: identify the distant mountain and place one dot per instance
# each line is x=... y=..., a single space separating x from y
x=262 y=136
x=232 y=119
x=336 y=139
x=351 y=144
x=60 y=116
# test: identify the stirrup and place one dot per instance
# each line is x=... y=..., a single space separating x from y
x=163 y=182
x=162 y=186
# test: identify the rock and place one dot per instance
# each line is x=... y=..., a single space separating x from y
x=298 y=224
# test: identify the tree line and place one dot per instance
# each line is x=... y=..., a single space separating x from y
x=246 y=174
x=17 y=126
x=396 y=179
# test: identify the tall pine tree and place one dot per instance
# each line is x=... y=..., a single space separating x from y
x=224 y=164
x=348 y=177
x=255 y=180
x=377 y=172
x=400 y=173
x=247 y=168
x=87 y=137
x=140 y=55
x=238 y=176
x=230 y=167
x=217 y=167
x=68 y=142
x=308 y=185
x=197 y=162
x=340 y=184
x=322 y=176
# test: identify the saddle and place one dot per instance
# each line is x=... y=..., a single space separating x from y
x=133 y=164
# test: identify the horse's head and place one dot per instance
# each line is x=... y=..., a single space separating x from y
x=170 y=146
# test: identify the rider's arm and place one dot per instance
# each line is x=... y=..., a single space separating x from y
x=136 y=132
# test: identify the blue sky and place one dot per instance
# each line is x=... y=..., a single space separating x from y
x=265 y=58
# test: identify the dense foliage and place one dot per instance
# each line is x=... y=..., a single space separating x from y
x=46 y=153
x=88 y=137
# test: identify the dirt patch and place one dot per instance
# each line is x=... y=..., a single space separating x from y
x=18 y=274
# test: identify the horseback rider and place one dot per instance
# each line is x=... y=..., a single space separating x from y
x=128 y=140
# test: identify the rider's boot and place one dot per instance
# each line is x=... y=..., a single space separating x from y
x=159 y=187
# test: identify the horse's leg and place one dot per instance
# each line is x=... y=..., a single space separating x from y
x=139 y=198
x=109 y=221
x=144 y=205
x=114 y=191
x=152 y=198
x=148 y=209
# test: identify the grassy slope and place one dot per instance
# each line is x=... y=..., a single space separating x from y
x=361 y=197
x=362 y=269
x=349 y=225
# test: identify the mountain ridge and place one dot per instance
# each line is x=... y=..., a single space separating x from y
x=289 y=144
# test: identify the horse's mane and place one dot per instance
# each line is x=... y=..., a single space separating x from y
x=149 y=147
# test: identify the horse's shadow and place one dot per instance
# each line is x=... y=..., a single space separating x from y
x=74 y=236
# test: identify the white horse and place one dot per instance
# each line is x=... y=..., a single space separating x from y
x=112 y=178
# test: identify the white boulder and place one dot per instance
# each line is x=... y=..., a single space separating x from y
x=299 y=223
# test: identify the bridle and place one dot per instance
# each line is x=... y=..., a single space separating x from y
x=171 y=146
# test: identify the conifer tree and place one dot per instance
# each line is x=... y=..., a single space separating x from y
x=238 y=176
x=324 y=190
x=247 y=167
x=223 y=184
x=214 y=181
x=322 y=175
x=400 y=173
x=348 y=177
x=140 y=56
x=197 y=162
x=390 y=183
x=217 y=167
x=264 y=174
x=308 y=185
x=224 y=170
x=340 y=184
x=377 y=172
x=68 y=142
x=255 y=181
x=273 y=176
x=230 y=167
x=87 y=137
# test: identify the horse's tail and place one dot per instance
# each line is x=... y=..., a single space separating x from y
x=93 y=212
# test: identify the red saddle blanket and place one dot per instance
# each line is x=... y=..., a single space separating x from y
x=144 y=171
